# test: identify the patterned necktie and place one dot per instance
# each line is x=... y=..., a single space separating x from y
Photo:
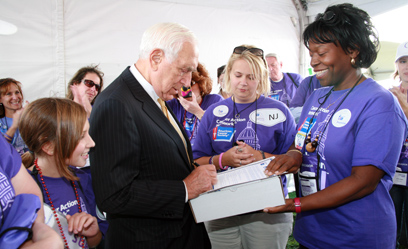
x=166 y=113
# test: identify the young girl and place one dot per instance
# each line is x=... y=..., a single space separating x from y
x=56 y=132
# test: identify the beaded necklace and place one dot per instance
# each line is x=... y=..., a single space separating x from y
x=82 y=244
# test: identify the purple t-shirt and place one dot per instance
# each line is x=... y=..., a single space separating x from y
x=10 y=164
x=189 y=121
x=273 y=130
x=64 y=199
x=306 y=87
x=285 y=89
x=367 y=129
x=401 y=175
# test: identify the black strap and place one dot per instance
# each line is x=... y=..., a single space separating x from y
x=297 y=189
x=29 y=230
x=34 y=173
x=292 y=80
x=310 y=82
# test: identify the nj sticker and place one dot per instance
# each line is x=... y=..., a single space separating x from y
x=268 y=116
x=220 y=111
x=341 y=118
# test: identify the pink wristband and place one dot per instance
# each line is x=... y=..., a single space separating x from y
x=297 y=205
x=220 y=163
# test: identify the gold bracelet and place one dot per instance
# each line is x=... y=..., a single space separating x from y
x=301 y=154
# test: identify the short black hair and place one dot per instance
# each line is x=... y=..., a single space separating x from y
x=220 y=70
x=349 y=27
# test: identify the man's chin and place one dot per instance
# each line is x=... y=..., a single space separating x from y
x=169 y=96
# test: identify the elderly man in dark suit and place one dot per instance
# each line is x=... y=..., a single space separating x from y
x=142 y=168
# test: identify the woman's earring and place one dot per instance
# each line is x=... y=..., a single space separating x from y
x=353 y=62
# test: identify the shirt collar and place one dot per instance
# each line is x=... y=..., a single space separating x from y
x=145 y=84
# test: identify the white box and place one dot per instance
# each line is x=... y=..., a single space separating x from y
x=238 y=199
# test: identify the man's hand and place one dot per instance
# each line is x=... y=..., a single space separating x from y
x=200 y=180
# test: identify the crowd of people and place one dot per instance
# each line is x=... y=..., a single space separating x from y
x=116 y=167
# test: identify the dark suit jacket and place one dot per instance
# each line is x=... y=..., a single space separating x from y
x=137 y=166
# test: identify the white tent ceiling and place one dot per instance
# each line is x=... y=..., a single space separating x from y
x=57 y=37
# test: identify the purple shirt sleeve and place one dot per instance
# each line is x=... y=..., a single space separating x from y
x=10 y=160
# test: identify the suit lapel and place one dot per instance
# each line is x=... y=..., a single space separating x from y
x=156 y=115
x=188 y=144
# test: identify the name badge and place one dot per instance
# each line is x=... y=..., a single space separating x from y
x=189 y=126
x=301 y=134
x=400 y=178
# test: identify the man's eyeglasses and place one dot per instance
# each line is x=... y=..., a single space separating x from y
x=254 y=51
x=90 y=84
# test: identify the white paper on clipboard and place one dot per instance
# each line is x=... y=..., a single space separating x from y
x=248 y=173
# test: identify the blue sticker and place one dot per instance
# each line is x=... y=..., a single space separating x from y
x=305 y=126
x=221 y=133
x=275 y=96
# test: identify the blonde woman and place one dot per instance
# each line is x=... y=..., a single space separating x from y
x=240 y=130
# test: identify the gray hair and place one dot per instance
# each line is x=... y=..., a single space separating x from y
x=273 y=55
x=168 y=37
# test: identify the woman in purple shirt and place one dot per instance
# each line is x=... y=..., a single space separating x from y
x=244 y=128
x=350 y=135
x=399 y=191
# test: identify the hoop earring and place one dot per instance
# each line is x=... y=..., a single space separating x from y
x=353 y=62
x=311 y=146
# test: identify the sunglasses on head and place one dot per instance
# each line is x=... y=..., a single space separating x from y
x=90 y=84
x=254 y=51
x=330 y=17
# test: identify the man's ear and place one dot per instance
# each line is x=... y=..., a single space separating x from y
x=48 y=148
x=156 y=57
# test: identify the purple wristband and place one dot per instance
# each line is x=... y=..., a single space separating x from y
x=7 y=136
x=211 y=160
